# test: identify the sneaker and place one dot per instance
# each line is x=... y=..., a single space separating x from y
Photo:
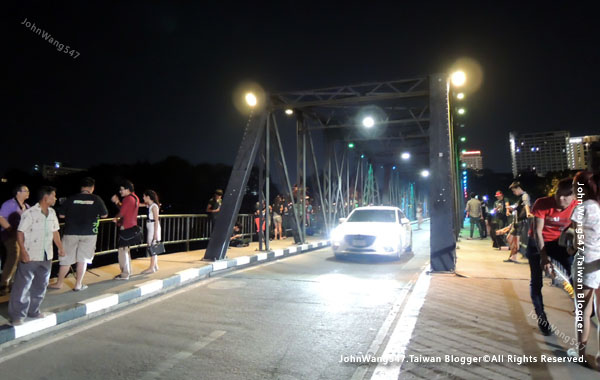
x=544 y=325
x=16 y=322
x=121 y=277
x=38 y=316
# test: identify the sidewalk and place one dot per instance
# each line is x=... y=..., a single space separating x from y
x=105 y=294
x=487 y=312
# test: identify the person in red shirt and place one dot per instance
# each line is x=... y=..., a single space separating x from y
x=129 y=232
x=552 y=215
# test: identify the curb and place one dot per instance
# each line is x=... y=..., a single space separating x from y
x=105 y=303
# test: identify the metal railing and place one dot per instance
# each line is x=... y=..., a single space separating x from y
x=175 y=229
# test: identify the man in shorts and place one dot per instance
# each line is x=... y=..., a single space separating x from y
x=521 y=220
x=81 y=213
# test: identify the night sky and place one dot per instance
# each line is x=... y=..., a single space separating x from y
x=155 y=78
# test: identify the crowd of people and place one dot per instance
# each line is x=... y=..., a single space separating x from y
x=559 y=235
x=28 y=234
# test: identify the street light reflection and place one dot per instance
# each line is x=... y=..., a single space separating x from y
x=341 y=292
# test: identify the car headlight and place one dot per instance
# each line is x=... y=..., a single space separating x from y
x=337 y=236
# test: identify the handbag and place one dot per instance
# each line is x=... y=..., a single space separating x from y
x=130 y=236
x=156 y=248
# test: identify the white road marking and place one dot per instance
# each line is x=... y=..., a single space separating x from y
x=150 y=286
x=218 y=265
x=101 y=302
x=243 y=260
x=170 y=362
x=188 y=274
x=35 y=325
x=261 y=256
x=401 y=335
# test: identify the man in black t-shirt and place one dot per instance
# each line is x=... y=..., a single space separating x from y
x=81 y=213
x=521 y=223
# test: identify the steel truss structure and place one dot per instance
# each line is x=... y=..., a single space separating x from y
x=358 y=165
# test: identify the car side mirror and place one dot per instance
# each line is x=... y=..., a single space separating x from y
x=342 y=220
x=404 y=221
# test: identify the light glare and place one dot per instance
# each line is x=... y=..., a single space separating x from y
x=425 y=173
x=251 y=99
x=368 y=122
x=405 y=156
x=458 y=78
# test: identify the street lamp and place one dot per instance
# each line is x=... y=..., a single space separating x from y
x=405 y=156
x=425 y=173
x=251 y=99
x=289 y=111
x=460 y=96
x=458 y=78
x=368 y=122
x=463 y=139
x=461 y=111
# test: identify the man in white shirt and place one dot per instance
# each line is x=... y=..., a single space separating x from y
x=37 y=230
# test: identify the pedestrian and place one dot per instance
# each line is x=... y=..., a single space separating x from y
x=474 y=214
x=237 y=238
x=81 y=213
x=521 y=217
x=552 y=216
x=499 y=217
x=419 y=215
x=153 y=235
x=484 y=216
x=129 y=232
x=10 y=216
x=214 y=207
x=277 y=218
x=498 y=221
x=37 y=230
x=586 y=186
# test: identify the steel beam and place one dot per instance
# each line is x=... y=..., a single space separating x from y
x=236 y=187
x=441 y=204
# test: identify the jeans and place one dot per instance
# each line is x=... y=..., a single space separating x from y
x=29 y=289
x=554 y=251
x=475 y=222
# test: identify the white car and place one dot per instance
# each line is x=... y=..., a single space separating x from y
x=373 y=230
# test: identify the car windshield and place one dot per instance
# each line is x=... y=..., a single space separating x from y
x=385 y=216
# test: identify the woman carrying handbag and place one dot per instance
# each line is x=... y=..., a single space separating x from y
x=155 y=247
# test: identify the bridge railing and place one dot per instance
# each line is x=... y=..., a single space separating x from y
x=175 y=229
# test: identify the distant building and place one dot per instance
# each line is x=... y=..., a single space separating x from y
x=579 y=151
x=472 y=159
x=55 y=170
x=541 y=152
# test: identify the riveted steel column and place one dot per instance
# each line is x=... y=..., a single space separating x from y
x=236 y=187
x=442 y=204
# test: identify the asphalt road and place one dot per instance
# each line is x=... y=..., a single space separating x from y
x=290 y=319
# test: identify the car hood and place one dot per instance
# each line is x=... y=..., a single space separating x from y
x=366 y=228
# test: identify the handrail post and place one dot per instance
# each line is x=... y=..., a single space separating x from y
x=187 y=233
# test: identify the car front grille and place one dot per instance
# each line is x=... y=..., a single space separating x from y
x=359 y=241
